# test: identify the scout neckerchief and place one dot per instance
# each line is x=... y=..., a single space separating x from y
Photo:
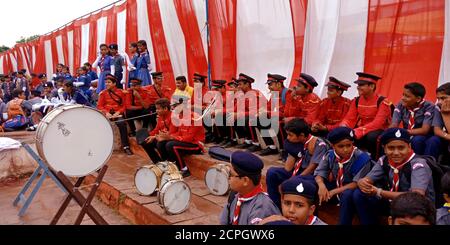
x=300 y=161
x=412 y=113
x=397 y=168
x=342 y=162
x=245 y=198
x=118 y=100
x=311 y=220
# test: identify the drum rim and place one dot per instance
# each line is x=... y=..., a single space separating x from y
x=206 y=184
x=168 y=173
x=39 y=143
x=161 y=194
x=158 y=180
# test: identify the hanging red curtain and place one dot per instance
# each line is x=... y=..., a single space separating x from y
x=93 y=45
x=132 y=33
x=298 y=12
x=222 y=45
x=404 y=44
x=111 y=25
x=40 y=65
x=160 y=50
x=195 y=54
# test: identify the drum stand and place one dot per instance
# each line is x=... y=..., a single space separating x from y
x=85 y=203
x=47 y=172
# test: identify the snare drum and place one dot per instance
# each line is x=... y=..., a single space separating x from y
x=175 y=197
x=168 y=176
x=216 y=179
x=76 y=140
x=167 y=167
x=147 y=179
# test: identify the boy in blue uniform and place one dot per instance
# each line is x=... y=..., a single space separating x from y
x=304 y=156
x=250 y=205
x=84 y=80
x=118 y=62
x=403 y=170
x=441 y=111
x=91 y=73
x=443 y=213
x=416 y=115
x=74 y=95
x=298 y=203
x=336 y=172
x=412 y=208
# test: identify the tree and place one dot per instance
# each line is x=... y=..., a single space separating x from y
x=3 y=48
x=28 y=39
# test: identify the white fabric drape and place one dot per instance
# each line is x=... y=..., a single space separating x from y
x=144 y=32
x=265 y=40
x=335 y=41
x=70 y=48
x=1 y=65
x=24 y=59
x=85 y=43
x=101 y=31
x=59 y=50
x=48 y=58
x=175 y=38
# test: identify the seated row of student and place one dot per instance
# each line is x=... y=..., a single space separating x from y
x=305 y=152
x=299 y=201
x=112 y=103
x=247 y=203
x=401 y=170
x=174 y=137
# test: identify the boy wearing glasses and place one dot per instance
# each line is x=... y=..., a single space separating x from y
x=250 y=203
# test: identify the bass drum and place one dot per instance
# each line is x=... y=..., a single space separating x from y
x=216 y=179
x=76 y=140
x=147 y=179
x=175 y=197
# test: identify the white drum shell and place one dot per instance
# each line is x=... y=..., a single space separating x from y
x=175 y=197
x=217 y=179
x=168 y=176
x=75 y=139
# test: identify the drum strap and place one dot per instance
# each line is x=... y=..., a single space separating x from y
x=114 y=95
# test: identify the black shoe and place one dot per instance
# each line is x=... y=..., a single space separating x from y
x=132 y=134
x=185 y=173
x=254 y=148
x=229 y=144
x=127 y=150
x=243 y=146
x=268 y=151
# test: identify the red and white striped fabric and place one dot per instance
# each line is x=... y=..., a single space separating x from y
x=401 y=41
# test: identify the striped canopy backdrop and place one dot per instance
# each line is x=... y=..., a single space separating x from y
x=400 y=40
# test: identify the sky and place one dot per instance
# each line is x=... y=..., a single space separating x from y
x=24 y=18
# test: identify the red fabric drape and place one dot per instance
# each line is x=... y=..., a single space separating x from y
x=160 y=50
x=222 y=46
x=93 y=45
x=195 y=54
x=54 y=51
x=404 y=44
x=132 y=33
x=298 y=12
x=111 y=25
x=40 y=66
x=65 y=48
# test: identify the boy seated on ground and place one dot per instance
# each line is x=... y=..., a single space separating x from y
x=298 y=203
x=400 y=171
x=337 y=170
x=248 y=204
x=412 y=208
x=443 y=213
x=416 y=115
x=305 y=153
x=17 y=119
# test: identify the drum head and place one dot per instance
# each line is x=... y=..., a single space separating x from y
x=217 y=181
x=77 y=141
x=175 y=197
x=146 y=181
x=167 y=176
